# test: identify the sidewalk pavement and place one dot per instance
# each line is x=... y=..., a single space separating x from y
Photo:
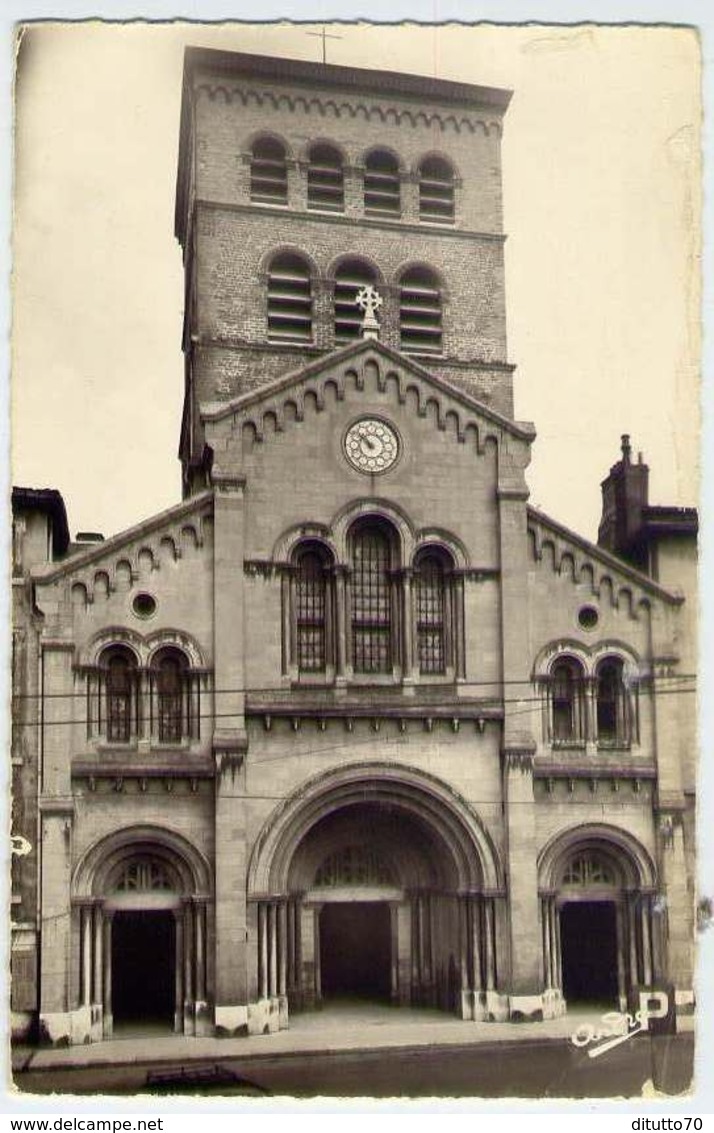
x=353 y=1027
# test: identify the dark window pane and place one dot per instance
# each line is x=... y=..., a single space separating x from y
x=170 y=687
x=119 y=698
x=371 y=602
x=430 y=605
x=311 y=592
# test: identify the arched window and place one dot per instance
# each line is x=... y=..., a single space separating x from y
x=120 y=680
x=436 y=191
x=268 y=172
x=173 y=700
x=142 y=875
x=381 y=184
x=289 y=299
x=611 y=702
x=350 y=277
x=567 y=701
x=432 y=611
x=325 y=179
x=372 y=545
x=420 y=312
x=312 y=608
x=588 y=869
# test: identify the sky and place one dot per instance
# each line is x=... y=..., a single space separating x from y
x=601 y=204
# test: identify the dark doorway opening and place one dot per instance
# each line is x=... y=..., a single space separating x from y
x=588 y=937
x=356 y=950
x=143 y=967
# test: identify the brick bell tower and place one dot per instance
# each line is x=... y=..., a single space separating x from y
x=299 y=184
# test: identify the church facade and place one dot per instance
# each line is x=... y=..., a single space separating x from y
x=351 y=719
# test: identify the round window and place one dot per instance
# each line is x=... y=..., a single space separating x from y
x=588 y=617
x=144 y=605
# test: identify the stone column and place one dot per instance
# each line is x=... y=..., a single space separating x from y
x=178 y=982
x=524 y=982
x=489 y=945
x=409 y=628
x=317 y=909
x=526 y=956
x=273 y=936
x=263 y=950
x=108 y=1016
x=55 y=833
x=229 y=741
x=632 y=936
x=646 y=926
x=404 y=952
x=341 y=615
x=394 y=951
x=307 y=954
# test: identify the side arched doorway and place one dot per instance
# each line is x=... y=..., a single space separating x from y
x=385 y=887
x=141 y=902
x=600 y=935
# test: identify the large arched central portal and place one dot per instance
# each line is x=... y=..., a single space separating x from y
x=389 y=890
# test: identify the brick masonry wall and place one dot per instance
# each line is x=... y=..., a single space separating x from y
x=225 y=130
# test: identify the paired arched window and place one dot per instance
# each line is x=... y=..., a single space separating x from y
x=289 y=299
x=567 y=701
x=120 y=693
x=312 y=607
x=382 y=187
x=127 y=702
x=325 y=179
x=433 y=609
x=268 y=172
x=598 y=708
x=351 y=276
x=436 y=191
x=420 y=330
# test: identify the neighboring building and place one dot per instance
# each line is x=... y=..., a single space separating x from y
x=352 y=718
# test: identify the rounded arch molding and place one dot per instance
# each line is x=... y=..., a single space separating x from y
x=633 y=860
x=100 y=861
x=472 y=852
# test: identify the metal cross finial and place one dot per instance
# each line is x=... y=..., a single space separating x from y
x=324 y=36
x=369 y=300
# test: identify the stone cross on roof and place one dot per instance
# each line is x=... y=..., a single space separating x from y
x=369 y=300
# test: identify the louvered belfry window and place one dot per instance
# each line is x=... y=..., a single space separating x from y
x=268 y=172
x=311 y=612
x=420 y=312
x=381 y=184
x=289 y=299
x=371 y=600
x=351 y=277
x=325 y=179
x=431 y=614
x=436 y=191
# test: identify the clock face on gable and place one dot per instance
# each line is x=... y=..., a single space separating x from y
x=371 y=445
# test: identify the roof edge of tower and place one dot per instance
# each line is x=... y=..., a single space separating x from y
x=331 y=75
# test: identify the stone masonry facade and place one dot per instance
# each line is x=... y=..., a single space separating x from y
x=351 y=718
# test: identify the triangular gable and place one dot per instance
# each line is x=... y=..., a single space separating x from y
x=584 y=554
x=335 y=366
x=147 y=535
